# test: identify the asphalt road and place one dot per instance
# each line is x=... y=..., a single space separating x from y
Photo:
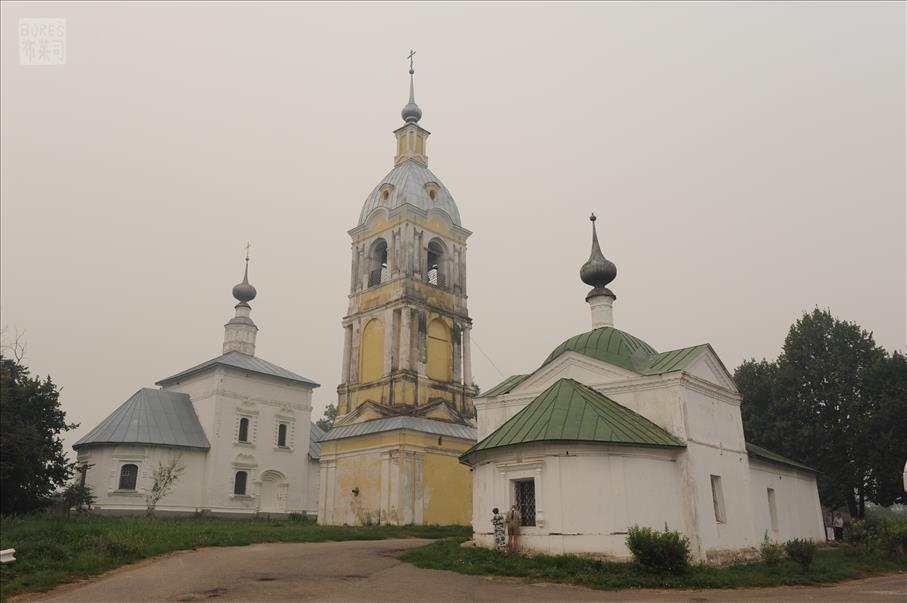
x=368 y=571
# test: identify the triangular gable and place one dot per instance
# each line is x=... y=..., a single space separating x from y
x=438 y=410
x=366 y=411
x=708 y=367
x=576 y=366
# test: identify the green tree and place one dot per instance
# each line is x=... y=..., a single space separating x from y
x=833 y=400
x=32 y=461
x=327 y=421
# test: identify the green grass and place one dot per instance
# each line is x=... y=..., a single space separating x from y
x=55 y=550
x=830 y=565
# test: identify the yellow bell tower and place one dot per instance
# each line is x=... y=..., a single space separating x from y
x=406 y=393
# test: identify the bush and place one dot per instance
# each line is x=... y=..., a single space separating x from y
x=861 y=536
x=659 y=551
x=771 y=552
x=801 y=551
x=892 y=537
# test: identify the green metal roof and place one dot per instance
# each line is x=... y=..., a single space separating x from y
x=569 y=411
x=773 y=457
x=675 y=360
x=505 y=386
x=609 y=345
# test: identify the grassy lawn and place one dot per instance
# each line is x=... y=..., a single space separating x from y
x=54 y=550
x=830 y=565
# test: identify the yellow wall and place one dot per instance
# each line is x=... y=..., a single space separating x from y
x=371 y=358
x=447 y=491
x=440 y=351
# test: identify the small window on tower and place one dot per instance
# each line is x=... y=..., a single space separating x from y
x=432 y=194
x=385 y=194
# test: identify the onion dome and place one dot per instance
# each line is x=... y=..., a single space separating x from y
x=411 y=112
x=598 y=271
x=244 y=292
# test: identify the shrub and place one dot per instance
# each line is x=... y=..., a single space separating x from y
x=801 y=551
x=861 y=536
x=667 y=551
x=771 y=552
x=892 y=537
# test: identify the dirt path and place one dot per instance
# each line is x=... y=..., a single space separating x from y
x=369 y=571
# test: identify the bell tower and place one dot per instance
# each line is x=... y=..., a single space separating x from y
x=406 y=333
x=405 y=399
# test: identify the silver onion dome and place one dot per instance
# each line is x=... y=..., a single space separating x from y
x=244 y=292
x=598 y=271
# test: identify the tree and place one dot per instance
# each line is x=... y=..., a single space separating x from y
x=327 y=421
x=32 y=461
x=163 y=479
x=835 y=401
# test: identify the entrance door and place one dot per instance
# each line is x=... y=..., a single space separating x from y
x=274 y=489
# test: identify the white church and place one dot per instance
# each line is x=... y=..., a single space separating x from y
x=609 y=433
x=238 y=425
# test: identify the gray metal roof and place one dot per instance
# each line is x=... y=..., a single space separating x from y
x=353 y=430
x=153 y=417
x=315 y=435
x=408 y=181
x=243 y=362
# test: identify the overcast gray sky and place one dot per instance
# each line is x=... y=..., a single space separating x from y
x=747 y=162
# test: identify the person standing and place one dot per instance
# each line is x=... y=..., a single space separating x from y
x=838 y=525
x=514 y=519
x=497 y=520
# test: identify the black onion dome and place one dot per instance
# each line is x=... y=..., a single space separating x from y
x=598 y=271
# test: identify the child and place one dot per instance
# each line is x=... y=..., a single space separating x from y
x=497 y=520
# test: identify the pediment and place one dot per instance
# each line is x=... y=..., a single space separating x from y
x=708 y=367
x=366 y=411
x=578 y=367
x=439 y=411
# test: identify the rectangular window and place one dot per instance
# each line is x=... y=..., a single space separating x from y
x=772 y=509
x=243 y=430
x=524 y=496
x=239 y=483
x=282 y=435
x=718 y=499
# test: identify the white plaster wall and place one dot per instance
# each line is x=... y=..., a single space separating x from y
x=104 y=475
x=221 y=396
x=796 y=501
x=586 y=496
x=313 y=486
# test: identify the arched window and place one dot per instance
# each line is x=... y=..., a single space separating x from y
x=378 y=272
x=243 y=430
x=371 y=352
x=435 y=267
x=440 y=351
x=282 y=435
x=128 y=475
x=239 y=483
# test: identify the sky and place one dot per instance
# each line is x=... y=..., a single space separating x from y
x=746 y=162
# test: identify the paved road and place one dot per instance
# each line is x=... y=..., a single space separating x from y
x=368 y=571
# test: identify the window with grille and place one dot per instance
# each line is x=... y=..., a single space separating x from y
x=524 y=495
x=128 y=475
x=239 y=483
x=282 y=435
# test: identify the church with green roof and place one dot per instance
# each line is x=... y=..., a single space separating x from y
x=609 y=433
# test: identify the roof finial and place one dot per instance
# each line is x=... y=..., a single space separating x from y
x=244 y=292
x=411 y=112
x=597 y=271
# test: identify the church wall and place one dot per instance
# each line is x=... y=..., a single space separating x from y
x=104 y=474
x=396 y=477
x=797 y=510
x=587 y=496
x=277 y=476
